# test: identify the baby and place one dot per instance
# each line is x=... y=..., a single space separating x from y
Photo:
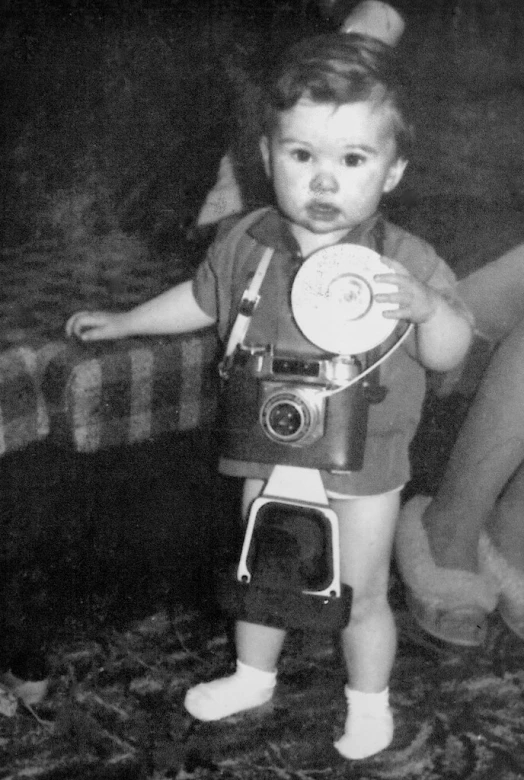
x=336 y=138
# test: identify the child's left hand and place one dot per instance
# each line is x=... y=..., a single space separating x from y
x=416 y=301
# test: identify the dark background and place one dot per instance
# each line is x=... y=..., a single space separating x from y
x=114 y=118
x=115 y=115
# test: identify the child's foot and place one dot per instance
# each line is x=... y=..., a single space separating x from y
x=247 y=688
x=369 y=725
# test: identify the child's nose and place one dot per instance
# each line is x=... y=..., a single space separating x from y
x=324 y=181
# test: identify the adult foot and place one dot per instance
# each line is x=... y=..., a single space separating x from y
x=511 y=583
x=450 y=604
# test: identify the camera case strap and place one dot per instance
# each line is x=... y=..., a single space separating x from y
x=248 y=304
x=288 y=575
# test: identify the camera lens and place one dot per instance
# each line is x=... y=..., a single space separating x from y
x=285 y=420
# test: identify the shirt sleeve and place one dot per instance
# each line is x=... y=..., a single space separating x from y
x=420 y=259
x=214 y=282
x=423 y=262
x=205 y=287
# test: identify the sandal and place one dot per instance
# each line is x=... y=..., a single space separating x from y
x=450 y=604
x=511 y=583
x=462 y=626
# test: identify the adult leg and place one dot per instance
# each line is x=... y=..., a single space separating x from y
x=502 y=552
x=490 y=446
x=438 y=540
x=488 y=450
x=367 y=528
x=506 y=524
x=258 y=649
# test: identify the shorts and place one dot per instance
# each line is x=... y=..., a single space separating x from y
x=346 y=497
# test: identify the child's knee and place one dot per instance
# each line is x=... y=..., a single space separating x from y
x=367 y=605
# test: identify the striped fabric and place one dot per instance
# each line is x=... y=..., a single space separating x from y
x=97 y=396
x=120 y=393
x=24 y=417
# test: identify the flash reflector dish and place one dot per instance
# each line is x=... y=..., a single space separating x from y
x=333 y=299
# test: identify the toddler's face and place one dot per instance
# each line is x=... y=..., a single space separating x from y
x=330 y=165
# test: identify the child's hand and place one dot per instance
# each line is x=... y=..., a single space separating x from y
x=96 y=325
x=415 y=301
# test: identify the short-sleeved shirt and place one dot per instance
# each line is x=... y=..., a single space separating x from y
x=219 y=284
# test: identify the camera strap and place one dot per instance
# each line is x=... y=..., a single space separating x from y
x=248 y=304
x=374 y=391
x=251 y=298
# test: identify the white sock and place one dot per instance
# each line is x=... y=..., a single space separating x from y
x=247 y=688
x=369 y=724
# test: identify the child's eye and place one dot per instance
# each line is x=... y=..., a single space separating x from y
x=353 y=160
x=301 y=155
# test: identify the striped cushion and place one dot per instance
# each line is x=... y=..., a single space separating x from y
x=23 y=414
x=118 y=393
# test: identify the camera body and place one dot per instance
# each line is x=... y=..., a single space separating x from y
x=278 y=408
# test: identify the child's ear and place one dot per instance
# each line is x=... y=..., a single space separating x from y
x=396 y=172
x=266 y=154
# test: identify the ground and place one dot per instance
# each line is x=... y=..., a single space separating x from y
x=115 y=710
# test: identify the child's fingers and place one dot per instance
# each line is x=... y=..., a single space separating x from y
x=406 y=289
x=89 y=333
x=392 y=278
x=401 y=300
x=73 y=322
x=86 y=326
x=399 y=313
x=392 y=297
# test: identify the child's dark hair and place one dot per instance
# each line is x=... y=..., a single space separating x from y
x=340 y=68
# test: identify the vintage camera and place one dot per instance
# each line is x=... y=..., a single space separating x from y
x=279 y=408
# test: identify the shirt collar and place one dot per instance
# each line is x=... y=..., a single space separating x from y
x=272 y=230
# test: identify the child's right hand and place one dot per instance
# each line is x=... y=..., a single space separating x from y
x=96 y=325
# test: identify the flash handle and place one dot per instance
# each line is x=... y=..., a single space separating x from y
x=295 y=486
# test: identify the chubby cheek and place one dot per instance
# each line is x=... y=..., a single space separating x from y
x=366 y=189
x=287 y=186
x=287 y=173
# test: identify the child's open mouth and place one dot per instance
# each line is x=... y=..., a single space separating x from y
x=322 y=211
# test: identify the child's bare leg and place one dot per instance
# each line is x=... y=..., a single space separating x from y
x=259 y=646
x=367 y=528
x=258 y=649
x=256 y=645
